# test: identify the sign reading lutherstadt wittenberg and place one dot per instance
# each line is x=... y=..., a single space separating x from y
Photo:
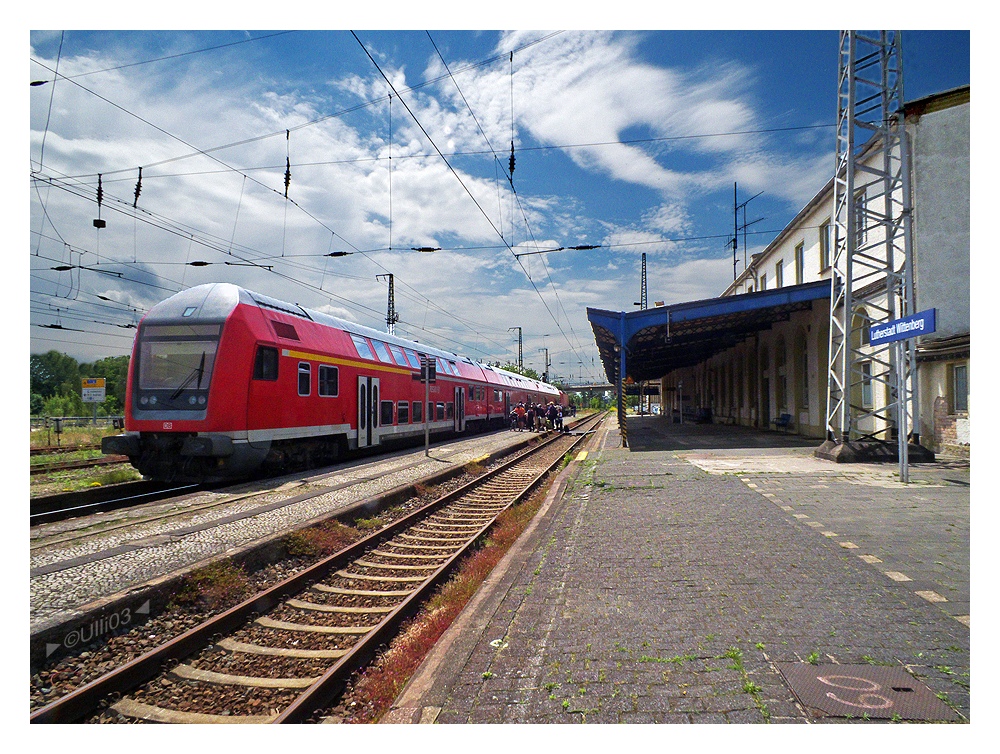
x=921 y=323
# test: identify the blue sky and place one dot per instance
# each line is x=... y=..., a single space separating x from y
x=627 y=140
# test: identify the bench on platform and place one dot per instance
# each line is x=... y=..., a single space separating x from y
x=782 y=421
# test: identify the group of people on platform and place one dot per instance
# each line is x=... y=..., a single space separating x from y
x=536 y=417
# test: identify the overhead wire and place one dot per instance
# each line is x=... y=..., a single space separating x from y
x=496 y=159
x=462 y=183
x=203 y=152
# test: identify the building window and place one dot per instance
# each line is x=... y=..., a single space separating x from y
x=763 y=281
x=826 y=242
x=779 y=273
x=866 y=384
x=800 y=264
x=960 y=388
x=864 y=327
x=305 y=378
x=329 y=381
x=860 y=233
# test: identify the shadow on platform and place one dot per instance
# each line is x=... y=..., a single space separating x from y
x=649 y=433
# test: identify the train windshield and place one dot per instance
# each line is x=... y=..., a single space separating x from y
x=175 y=365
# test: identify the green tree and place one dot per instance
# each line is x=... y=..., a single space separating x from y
x=54 y=373
x=524 y=371
x=65 y=405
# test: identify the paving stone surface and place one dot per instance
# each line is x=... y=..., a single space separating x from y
x=668 y=580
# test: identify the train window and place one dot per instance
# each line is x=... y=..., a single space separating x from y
x=411 y=357
x=362 y=345
x=440 y=411
x=441 y=369
x=170 y=354
x=265 y=363
x=398 y=355
x=382 y=351
x=386 y=411
x=403 y=412
x=418 y=411
x=305 y=378
x=472 y=393
x=329 y=381
x=454 y=368
x=450 y=411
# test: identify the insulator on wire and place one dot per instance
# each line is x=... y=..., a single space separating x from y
x=288 y=164
x=98 y=222
x=511 y=162
x=138 y=189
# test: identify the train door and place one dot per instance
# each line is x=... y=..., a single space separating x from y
x=459 y=409
x=368 y=402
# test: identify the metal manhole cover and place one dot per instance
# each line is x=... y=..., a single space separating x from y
x=856 y=690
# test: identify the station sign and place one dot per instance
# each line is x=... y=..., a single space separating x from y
x=921 y=323
x=93 y=390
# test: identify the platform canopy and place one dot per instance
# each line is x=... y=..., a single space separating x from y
x=665 y=338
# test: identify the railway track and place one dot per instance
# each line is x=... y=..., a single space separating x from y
x=48 y=468
x=288 y=652
x=49 y=508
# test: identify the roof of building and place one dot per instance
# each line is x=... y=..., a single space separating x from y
x=665 y=338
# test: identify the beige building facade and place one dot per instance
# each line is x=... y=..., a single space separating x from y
x=778 y=377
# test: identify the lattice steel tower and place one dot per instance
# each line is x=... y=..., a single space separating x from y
x=871 y=267
x=391 y=315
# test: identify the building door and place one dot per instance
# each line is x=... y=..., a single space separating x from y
x=459 y=409
x=368 y=398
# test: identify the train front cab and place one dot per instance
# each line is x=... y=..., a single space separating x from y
x=184 y=386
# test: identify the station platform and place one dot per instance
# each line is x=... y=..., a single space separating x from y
x=691 y=577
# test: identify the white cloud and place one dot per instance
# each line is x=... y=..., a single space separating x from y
x=577 y=87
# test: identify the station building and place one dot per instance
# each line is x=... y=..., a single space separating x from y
x=758 y=354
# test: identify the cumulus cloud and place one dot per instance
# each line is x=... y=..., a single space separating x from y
x=226 y=206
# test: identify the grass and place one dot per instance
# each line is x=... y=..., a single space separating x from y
x=74 y=480
x=748 y=686
x=71 y=436
x=213 y=587
x=88 y=454
x=321 y=540
x=367 y=524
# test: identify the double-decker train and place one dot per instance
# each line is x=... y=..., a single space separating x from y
x=224 y=382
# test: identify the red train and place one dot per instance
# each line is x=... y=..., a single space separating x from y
x=224 y=381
